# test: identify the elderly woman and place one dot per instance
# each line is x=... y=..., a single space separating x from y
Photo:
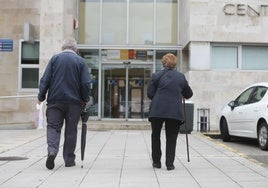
x=166 y=89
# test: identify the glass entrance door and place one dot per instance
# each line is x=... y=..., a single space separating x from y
x=124 y=88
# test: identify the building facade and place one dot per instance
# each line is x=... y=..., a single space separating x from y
x=221 y=45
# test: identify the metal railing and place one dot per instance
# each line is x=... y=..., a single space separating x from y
x=17 y=96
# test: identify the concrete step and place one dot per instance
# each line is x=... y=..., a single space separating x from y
x=117 y=125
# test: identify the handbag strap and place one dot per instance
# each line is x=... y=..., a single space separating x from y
x=158 y=80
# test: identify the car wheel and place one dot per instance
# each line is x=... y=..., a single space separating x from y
x=224 y=131
x=263 y=136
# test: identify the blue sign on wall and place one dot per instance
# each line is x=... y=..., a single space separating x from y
x=6 y=45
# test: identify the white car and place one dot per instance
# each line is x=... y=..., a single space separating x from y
x=247 y=115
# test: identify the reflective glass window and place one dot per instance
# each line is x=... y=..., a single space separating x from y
x=159 y=54
x=254 y=57
x=92 y=59
x=258 y=94
x=224 y=57
x=30 y=77
x=141 y=21
x=29 y=65
x=121 y=22
x=89 y=22
x=244 y=97
x=114 y=22
x=166 y=21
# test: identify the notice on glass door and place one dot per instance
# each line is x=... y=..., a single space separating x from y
x=113 y=54
x=141 y=55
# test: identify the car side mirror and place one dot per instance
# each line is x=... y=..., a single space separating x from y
x=232 y=105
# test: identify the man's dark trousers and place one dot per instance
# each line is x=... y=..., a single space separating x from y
x=172 y=128
x=56 y=114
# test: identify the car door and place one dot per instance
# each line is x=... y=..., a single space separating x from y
x=237 y=117
x=252 y=112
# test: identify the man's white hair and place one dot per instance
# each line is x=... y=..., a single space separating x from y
x=69 y=43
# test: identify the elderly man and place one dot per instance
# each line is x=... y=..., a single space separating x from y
x=66 y=82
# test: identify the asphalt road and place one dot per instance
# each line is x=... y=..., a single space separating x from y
x=247 y=148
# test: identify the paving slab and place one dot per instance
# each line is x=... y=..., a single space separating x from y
x=122 y=159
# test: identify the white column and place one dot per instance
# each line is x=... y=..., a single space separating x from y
x=56 y=22
x=199 y=56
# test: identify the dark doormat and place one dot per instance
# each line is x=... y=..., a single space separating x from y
x=12 y=158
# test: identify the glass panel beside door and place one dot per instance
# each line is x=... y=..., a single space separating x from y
x=124 y=88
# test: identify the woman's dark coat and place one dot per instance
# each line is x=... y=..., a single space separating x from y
x=166 y=89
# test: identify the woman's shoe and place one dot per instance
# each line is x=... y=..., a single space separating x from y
x=70 y=164
x=172 y=167
x=157 y=165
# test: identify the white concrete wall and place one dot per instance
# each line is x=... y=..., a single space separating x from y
x=13 y=15
x=205 y=20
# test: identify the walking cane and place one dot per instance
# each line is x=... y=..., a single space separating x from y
x=186 y=130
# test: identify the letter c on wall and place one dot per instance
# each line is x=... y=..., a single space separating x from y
x=229 y=9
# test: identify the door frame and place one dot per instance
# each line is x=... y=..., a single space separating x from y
x=126 y=65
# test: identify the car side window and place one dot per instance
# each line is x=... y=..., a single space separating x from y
x=263 y=90
x=258 y=94
x=244 y=97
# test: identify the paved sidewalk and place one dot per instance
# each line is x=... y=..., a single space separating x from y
x=121 y=159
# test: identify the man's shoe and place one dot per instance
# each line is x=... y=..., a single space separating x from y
x=157 y=165
x=172 y=167
x=70 y=164
x=50 y=161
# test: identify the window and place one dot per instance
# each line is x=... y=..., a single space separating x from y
x=159 y=54
x=224 y=57
x=244 y=97
x=134 y=22
x=166 y=21
x=141 y=25
x=89 y=22
x=92 y=59
x=258 y=94
x=114 y=25
x=254 y=57
x=29 y=66
x=244 y=57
